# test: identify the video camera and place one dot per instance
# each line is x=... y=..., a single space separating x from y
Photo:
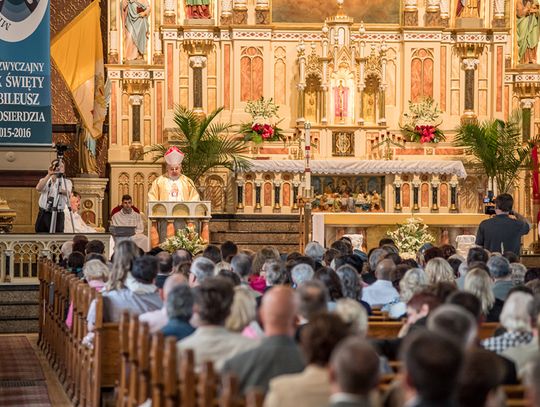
x=489 y=203
x=60 y=151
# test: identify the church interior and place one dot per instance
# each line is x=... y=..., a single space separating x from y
x=341 y=118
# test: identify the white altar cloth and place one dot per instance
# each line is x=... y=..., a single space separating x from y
x=361 y=167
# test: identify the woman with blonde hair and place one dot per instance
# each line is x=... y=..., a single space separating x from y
x=243 y=314
x=414 y=281
x=438 y=270
x=479 y=283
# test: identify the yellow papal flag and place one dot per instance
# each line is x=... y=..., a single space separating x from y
x=77 y=52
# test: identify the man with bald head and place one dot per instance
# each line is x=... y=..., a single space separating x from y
x=278 y=353
x=158 y=319
x=381 y=292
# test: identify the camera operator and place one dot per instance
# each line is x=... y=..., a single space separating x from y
x=502 y=232
x=54 y=189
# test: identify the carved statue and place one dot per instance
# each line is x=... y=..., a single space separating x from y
x=198 y=9
x=468 y=8
x=135 y=17
x=527 y=30
x=341 y=94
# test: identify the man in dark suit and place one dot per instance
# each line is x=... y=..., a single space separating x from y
x=502 y=233
x=354 y=373
x=432 y=364
x=277 y=354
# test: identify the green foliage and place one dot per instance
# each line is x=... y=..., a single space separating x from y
x=187 y=239
x=205 y=143
x=496 y=148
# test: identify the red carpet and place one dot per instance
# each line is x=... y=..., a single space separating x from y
x=21 y=379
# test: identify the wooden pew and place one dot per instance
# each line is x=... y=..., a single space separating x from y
x=156 y=369
x=105 y=356
x=487 y=329
x=122 y=390
x=515 y=395
x=383 y=329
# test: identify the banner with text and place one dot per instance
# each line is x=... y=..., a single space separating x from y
x=25 y=73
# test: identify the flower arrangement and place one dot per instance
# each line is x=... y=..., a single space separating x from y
x=410 y=236
x=187 y=239
x=422 y=121
x=263 y=125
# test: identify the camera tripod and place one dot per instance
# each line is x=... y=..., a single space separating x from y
x=57 y=204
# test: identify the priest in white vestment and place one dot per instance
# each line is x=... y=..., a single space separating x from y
x=129 y=217
x=173 y=186
x=77 y=224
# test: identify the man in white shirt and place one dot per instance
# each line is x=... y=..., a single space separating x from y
x=127 y=216
x=54 y=189
x=381 y=292
x=77 y=224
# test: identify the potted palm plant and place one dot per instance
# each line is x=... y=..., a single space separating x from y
x=496 y=147
x=206 y=143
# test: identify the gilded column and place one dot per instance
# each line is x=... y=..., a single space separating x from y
x=301 y=86
x=277 y=196
x=136 y=147
x=240 y=195
x=453 y=194
x=527 y=106
x=382 y=88
x=324 y=82
x=416 y=191
x=361 y=80
x=469 y=65
x=397 y=194
x=197 y=64
x=296 y=185
x=435 y=193
x=258 y=206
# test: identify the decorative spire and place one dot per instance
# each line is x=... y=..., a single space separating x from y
x=340 y=12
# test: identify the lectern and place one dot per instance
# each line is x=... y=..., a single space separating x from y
x=174 y=215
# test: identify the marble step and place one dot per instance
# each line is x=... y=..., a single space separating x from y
x=19 y=308
x=253 y=226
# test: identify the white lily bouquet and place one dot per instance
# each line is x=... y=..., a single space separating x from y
x=410 y=236
x=187 y=239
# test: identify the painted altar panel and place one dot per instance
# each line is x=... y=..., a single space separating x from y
x=307 y=11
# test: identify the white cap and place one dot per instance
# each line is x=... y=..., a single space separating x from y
x=173 y=156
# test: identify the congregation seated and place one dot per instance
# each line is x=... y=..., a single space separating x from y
x=431 y=368
x=278 y=353
x=179 y=303
x=354 y=374
x=333 y=363
x=131 y=285
x=312 y=385
x=157 y=319
x=213 y=299
x=139 y=294
x=515 y=319
x=522 y=354
x=381 y=292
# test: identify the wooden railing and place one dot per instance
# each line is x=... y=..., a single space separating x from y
x=20 y=254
